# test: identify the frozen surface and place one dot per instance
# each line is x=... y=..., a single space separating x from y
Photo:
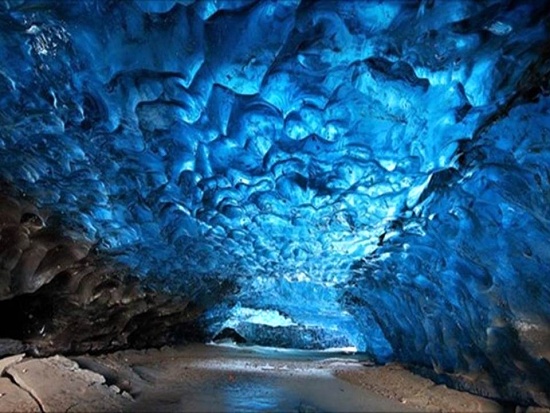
x=373 y=173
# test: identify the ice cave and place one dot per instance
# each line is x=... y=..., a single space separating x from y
x=370 y=175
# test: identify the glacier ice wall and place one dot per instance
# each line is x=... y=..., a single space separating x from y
x=364 y=173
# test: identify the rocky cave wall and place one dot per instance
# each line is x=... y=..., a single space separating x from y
x=310 y=174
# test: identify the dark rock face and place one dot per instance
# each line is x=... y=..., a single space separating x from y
x=10 y=346
x=58 y=296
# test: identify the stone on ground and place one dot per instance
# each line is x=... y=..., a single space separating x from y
x=58 y=384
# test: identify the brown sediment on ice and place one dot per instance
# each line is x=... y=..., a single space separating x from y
x=63 y=296
x=397 y=383
x=207 y=378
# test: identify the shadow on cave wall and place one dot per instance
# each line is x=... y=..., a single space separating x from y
x=57 y=294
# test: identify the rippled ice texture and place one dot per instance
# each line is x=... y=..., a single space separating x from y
x=373 y=172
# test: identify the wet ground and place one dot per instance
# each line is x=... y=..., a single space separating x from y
x=202 y=378
x=264 y=383
x=222 y=379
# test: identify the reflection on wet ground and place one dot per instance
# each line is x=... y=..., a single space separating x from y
x=266 y=393
x=260 y=383
x=245 y=394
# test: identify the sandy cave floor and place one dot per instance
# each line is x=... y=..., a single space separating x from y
x=221 y=379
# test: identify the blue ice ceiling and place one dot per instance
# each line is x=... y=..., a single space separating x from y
x=371 y=173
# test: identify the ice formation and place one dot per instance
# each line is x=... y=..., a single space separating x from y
x=363 y=173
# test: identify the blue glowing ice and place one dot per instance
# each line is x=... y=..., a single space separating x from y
x=373 y=172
